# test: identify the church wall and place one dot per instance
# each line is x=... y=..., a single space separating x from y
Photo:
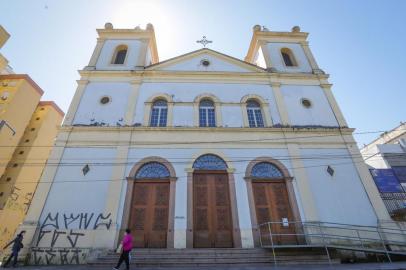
x=183 y=116
x=339 y=198
x=76 y=202
x=104 y=61
x=233 y=116
x=320 y=112
x=274 y=52
x=187 y=92
x=110 y=113
x=216 y=64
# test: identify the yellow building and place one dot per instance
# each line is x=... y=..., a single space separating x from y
x=28 y=128
x=3 y=38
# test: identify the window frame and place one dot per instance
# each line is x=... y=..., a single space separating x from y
x=209 y=113
x=254 y=111
x=116 y=51
x=289 y=53
x=161 y=110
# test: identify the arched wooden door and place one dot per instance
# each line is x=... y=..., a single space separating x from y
x=272 y=204
x=149 y=212
x=212 y=217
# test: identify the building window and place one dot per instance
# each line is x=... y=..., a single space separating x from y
x=210 y=162
x=105 y=100
x=306 y=103
x=207 y=116
x=288 y=57
x=120 y=55
x=159 y=113
x=254 y=114
x=153 y=170
x=205 y=62
x=266 y=170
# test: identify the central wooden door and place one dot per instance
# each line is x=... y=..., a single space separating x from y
x=149 y=214
x=212 y=223
x=272 y=205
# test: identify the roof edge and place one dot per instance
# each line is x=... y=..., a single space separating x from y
x=53 y=104
x=25 y=77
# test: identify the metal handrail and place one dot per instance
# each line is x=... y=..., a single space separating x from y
x=352 y=234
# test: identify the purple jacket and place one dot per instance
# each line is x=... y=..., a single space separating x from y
x=127 y=242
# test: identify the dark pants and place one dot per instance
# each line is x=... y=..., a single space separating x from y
x=126 y=258
x=14 y=255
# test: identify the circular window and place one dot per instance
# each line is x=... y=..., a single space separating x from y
x=104 y=100
x=306 y=103
x=205 y=62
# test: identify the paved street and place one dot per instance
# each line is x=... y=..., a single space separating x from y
x=366 y=266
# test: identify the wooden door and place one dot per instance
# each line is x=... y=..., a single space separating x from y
x=272 y=205
x=149 y=214
x=212 y=223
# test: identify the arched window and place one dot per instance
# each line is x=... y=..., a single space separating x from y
x=207 y=113
x=152 y=170
x=266 y=170
x=119 y=55
x=210 y=162
x=254 y=114
x=288 y=57
x=159 y=113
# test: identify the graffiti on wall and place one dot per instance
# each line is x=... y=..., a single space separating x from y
x=19 y=201
x=60 y=234
x=84 y=221
x=48 y=256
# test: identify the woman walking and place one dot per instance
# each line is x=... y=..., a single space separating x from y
x=17 y=246
x=125 y=254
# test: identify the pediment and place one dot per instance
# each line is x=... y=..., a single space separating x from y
x=193 y=61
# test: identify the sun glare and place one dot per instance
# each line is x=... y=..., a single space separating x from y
x=130 y=14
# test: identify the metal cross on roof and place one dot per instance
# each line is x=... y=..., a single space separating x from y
x=204 y=41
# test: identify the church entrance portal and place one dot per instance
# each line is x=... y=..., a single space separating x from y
x=149 y=210
x=212 y=224
x=272 y=204
x=149 y=214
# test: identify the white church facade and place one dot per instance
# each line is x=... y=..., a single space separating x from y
x=198 y=150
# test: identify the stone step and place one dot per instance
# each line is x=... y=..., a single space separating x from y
x=211 y=257
x=254 y=257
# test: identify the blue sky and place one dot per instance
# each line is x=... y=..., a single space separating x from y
x=361 y=44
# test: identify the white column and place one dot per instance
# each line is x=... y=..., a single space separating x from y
x=74 y=105
x=302 y=182
x=132 y=102
x=96 y=52
x=280 y=104
x=334 y=106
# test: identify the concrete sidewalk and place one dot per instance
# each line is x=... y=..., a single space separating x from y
x=360 y=266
